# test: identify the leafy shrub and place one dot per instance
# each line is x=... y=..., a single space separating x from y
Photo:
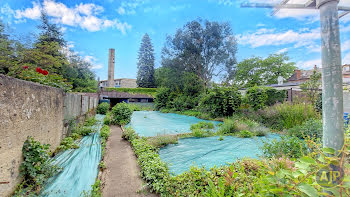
x=162 y=140
x=260 y=131
x=75 y=136
x=291 y=147
x=229 y=126
x=107 y=118
x=259 y=97
x=220 y=101
x=83 y=130
x=36 y=166
x=90 y=121
x=68 y=143
x=245 y=134
x=105 y=132
x=121 y=114
x=287 y=115
x=318 y=103
x=238 y=123
x=202 y=129
x=256 y=97
x=103 y=108
x=153 y=170
x=275 y=96
x=311 y=128
x=129 y=134
x=203 y=125
x=162 y=98
x=50 y=79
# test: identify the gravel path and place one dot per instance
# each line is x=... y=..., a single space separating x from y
x=121 y=177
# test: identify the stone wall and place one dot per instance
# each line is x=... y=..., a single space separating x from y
x=31 y=109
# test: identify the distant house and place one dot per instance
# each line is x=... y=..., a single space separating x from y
x=120 y=83
x=300 y=76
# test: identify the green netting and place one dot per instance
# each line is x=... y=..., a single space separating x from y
x=210 y=152
x=151 y=123
x=80 y=167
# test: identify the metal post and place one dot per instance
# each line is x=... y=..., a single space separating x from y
x=332 y=79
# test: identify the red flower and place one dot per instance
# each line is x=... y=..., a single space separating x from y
x=39 y=70
x=25 y=67
x=44 y=72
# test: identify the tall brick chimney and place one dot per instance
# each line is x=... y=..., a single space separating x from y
x=298 y=74
x=111 y=61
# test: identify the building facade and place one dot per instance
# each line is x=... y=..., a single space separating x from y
x=120 y=83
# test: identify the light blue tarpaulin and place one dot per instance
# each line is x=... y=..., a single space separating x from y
x=151 y=123
x=80 y=167
x=210 y=151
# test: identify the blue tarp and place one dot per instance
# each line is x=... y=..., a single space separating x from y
x=152 y=123
x=80 y=167
x=210 y=152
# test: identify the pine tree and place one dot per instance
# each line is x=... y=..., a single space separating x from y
x=145 y=65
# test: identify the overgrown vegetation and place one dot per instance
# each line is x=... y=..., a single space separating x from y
x=146 y=91
x=162 y=140
x=46 y=60
x=277 y=176
x=311 y=128
x=35 y=168
x=121 y=114
x=104 y=134
x=287 y=115
x=221 y=101
x=260 y=97
x=103 y=108
x=236 y=124
x=202 y=129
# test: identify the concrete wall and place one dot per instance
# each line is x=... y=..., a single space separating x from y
x=31 y=109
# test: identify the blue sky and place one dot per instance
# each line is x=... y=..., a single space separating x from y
x=91 y=27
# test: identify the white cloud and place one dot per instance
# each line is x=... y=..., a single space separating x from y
x=121 y=11
x=309 y=64
x=282 y=50
x=129 y=7
x=92 y=60
x=31 y=13
x=6 y=12
x=269 y=37
x=85 y=16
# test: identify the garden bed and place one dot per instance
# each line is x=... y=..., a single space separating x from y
x=210 y=151
x=153 y=123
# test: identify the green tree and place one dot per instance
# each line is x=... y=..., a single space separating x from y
x=145 y=65
x=7 y=51
x=257 y=71
x=207 y=49
x=311 y=86
x=50 y=32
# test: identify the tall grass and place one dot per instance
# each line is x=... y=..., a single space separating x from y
x=162 y=140
x=288 y=115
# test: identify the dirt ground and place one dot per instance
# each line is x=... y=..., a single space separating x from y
x=121 y=177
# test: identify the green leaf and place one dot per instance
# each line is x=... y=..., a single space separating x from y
x=308 y=160
x=328 y=150
x=308 y=189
